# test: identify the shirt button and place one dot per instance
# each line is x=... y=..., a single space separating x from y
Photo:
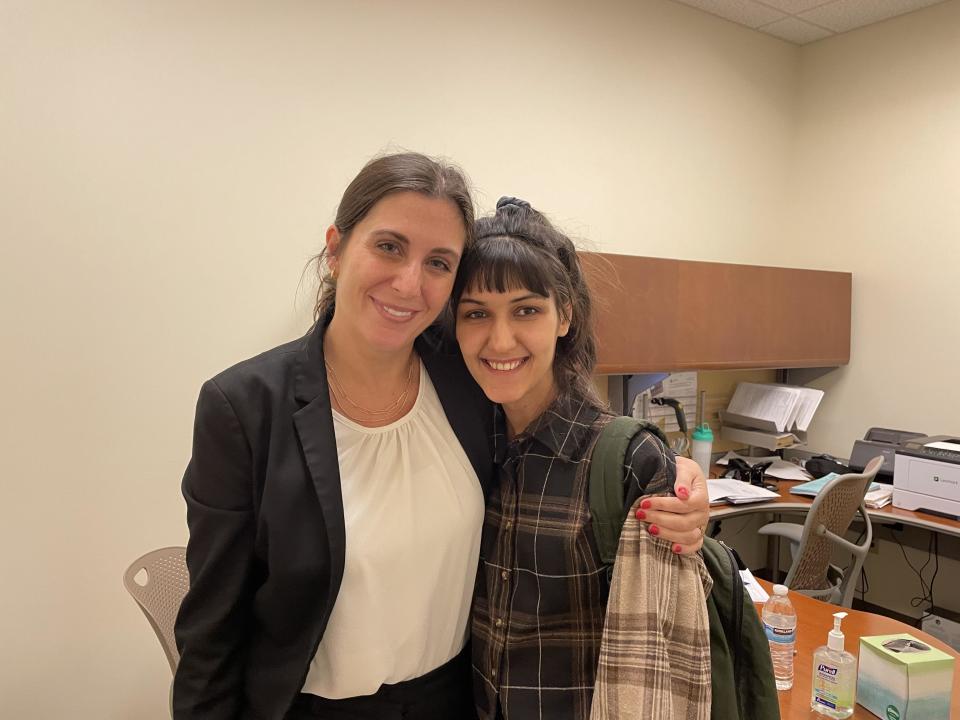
x=499 y=622
x=509 y=524
x=504 y=574
x=493 y=673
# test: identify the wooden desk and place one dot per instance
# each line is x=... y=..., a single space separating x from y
x=814 y=621
x=798 y=503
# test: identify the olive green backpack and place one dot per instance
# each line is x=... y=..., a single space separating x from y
x=742 y=680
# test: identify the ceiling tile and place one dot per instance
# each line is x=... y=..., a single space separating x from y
x=793 y=7
x=795 y=31
x=745 y=12
x=844 y=15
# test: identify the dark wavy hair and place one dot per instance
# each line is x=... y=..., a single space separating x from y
x=383 y=176
x=518 y=248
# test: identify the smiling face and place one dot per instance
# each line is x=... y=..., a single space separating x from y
x=396 y=270
x=508 y=340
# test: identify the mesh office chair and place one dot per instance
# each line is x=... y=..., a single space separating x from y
x=160 y=595
x=812 y=543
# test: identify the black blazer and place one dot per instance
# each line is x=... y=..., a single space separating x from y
x=265 y=513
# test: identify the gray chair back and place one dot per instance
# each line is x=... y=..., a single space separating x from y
x=165 y=582
x=830 y=516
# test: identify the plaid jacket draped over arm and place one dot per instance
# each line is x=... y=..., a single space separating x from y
x=655 y=647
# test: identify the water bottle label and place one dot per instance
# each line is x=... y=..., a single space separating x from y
x=780 y=635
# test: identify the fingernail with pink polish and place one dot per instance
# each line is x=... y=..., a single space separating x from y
x=683 y=493
x=645 y=504
x=654 y=530
x=641 y=515
x=677 y=549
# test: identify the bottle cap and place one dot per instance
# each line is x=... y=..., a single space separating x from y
x=835 y=637
x=780 y=590
x=703 y=432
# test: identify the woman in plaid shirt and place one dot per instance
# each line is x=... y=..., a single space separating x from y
x=523 y=313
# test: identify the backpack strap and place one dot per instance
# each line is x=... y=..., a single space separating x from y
x=607 y=467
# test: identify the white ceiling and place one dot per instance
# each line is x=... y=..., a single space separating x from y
x=804 y=21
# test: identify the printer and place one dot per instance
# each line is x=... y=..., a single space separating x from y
x=879 y=441
x=926 y=475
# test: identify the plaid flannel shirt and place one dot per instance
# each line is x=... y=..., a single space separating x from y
x=655 y=652
x=541 y=590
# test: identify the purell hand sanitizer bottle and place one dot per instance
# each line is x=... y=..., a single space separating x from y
x=834 y=675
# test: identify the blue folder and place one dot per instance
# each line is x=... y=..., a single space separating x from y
x=815 y=486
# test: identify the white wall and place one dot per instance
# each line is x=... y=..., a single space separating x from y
x=167 y=168
x=876 y=191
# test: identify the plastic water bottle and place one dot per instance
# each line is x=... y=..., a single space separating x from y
x=702 y=448
x=780 y=623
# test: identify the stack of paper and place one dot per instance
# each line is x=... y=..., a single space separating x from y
x=878 y=498
x=737 y=492
x=788 y=407
x=773 y=416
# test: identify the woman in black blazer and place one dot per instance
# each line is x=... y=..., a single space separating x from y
x=263 y=488
x=266 y=548
x=266 y=484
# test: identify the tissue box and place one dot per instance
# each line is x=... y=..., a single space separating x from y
x=902 y=678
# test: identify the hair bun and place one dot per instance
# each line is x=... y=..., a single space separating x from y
x=507 y=201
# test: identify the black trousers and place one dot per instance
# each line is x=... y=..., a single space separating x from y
x=442 y=694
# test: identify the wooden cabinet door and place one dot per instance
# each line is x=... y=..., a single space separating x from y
x=660 y=314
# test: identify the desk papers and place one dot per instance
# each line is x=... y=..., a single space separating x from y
x=755 y=589
x=788 y=407
x=813 y=487
x=737 y=492
x=877 y=495
x=878 y=498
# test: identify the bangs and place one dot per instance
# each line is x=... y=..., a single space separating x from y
x=501 y=264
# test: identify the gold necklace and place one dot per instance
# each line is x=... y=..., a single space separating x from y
x=340 y=394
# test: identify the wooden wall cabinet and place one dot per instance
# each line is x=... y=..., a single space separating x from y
x=656 y=314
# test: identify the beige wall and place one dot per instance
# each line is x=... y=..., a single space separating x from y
x=876 y=191
x=167 y=168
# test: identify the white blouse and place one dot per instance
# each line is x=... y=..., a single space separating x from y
x=413 y=510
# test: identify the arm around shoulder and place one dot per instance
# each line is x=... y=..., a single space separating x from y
x=214 y=619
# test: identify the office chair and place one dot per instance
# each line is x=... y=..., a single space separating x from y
x=811 y=544
x=159 y=597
